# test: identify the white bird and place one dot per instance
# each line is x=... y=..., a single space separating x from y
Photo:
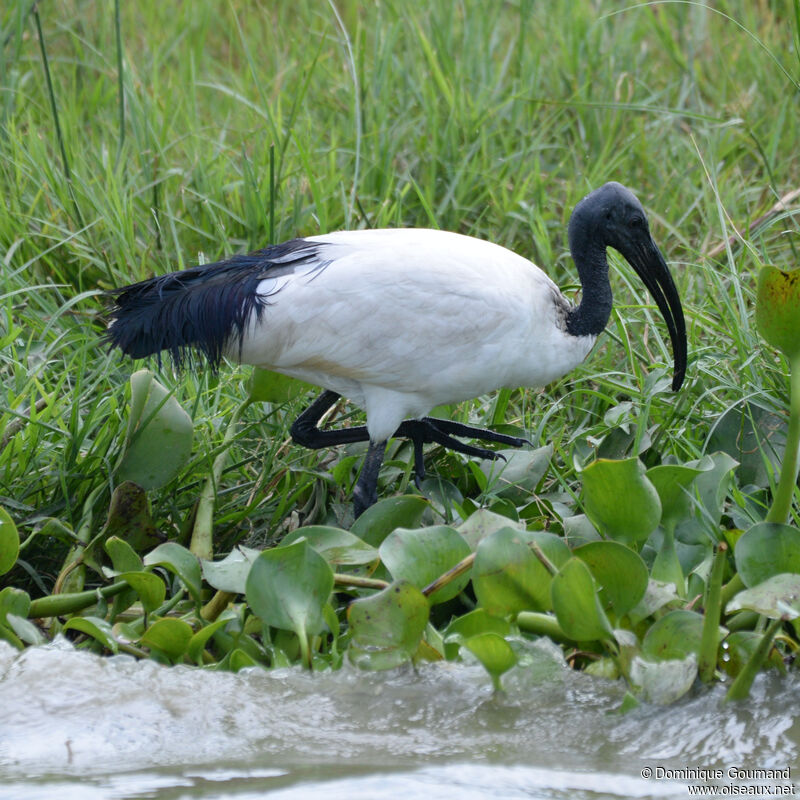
x=400 y=321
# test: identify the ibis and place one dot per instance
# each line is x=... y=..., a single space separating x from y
x=399 y=321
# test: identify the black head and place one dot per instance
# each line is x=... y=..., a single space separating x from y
x=611 y=216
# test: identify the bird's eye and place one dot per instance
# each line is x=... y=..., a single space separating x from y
x=637 y=221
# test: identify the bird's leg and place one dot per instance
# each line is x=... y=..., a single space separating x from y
x=305 y=432
x=441 y=431
x=366 y=492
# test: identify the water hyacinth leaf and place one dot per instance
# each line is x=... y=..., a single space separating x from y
x=494 y=653
x=266 y=386
x=552 y=547
x=123 y=557
x=739 y=647
x=713 y=482
x=335 y=545
x=673 y=636
x=239 y=660
x=664 y=682
x=620 y=500
x=9 y=542
x=656 y=596
x=778 y=309
x=288 y=587
x=129 y=517
x=14 y=601
x=387 y=627
x=482 y=523
x=576 y=604
x=507 y=577
x=619 y=571
x=518 y=476
x=168 y=636
x=667 y=566
x=477 y=621
x=230 y=574
x=24 y=629
x=755 y=437
x=776 y=597
x=196 y=645
x=421 y=556
x=579 y=530
x=159 y=437
x=96 y=627
x=380 y=519
x=149 y=587
x=672 y=482
x=179 y=560
x=767 y=549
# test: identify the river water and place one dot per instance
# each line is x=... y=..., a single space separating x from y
x=74 y=725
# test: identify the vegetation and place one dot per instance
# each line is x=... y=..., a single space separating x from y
x=653 y=535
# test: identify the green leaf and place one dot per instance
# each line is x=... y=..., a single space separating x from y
x=266 y=386
x=620 y=500
x=619 y=571
x=507 y=577
x=230 y=574
x=179 y=560
x=96 y=627
x=755 y=437
x=778 y=309
x=169 y=636
x=494 y=653
x=776 y=597
x=422 y=555
x=576 y=604
x=673 y=636
x=123 y=557
x=767 y=549
x=9 y=542
x=387 y=627
x=477 y=621
x=336 y=546
x=288 y=588
x=199 y=640
x=159 y=438
x=672 y=482
x=14 y=601
x=380 y=519
x=482 y=523
x=129 y=517
x=518 y=476
x=24 y=629
x=664 y=682
x=149 y=587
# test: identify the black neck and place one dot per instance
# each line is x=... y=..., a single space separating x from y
x=591 y=316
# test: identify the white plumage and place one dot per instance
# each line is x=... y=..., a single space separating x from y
x=497 y=324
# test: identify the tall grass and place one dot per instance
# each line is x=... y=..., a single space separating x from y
x=491 y=119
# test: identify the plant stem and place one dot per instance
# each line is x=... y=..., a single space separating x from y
x=782 y=502
x=202 y=543
x=55 y=605
x=713 y=604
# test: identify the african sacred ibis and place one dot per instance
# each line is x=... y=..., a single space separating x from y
x=400 y=321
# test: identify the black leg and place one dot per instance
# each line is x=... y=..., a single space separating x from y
x=305 y=432
x=427 y=430
x=366 y=492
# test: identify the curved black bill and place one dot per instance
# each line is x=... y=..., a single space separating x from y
x=651 y=267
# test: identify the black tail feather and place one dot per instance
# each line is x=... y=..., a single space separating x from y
x=201 y=308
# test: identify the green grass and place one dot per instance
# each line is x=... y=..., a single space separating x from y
x=490 y=119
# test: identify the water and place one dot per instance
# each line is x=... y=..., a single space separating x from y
x=73 y=725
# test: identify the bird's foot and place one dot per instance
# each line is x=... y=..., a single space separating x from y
x=441 y=431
